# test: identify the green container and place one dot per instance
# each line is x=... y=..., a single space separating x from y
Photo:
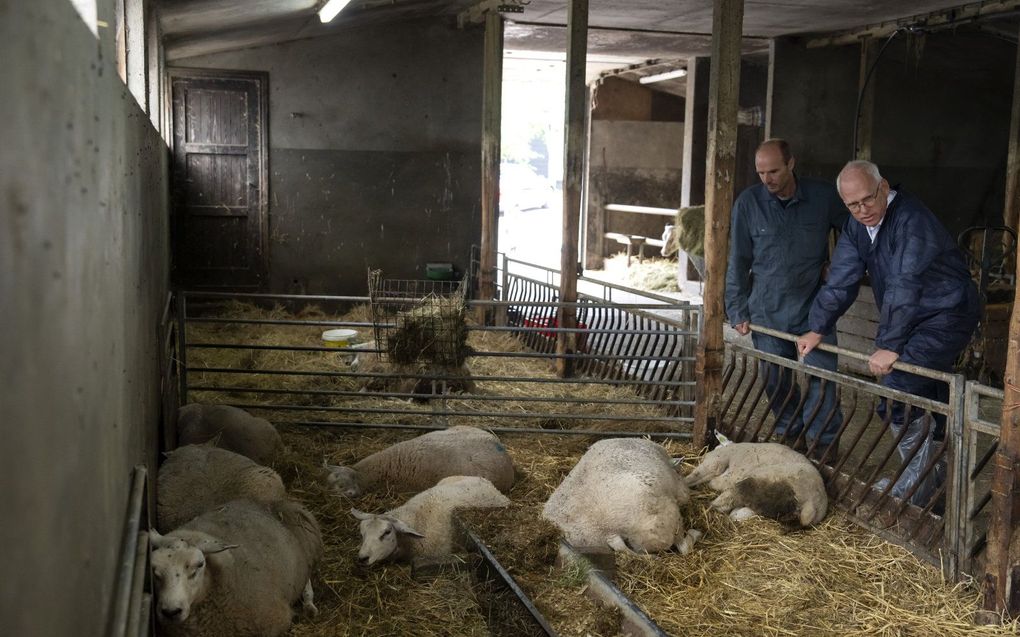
x=439 y=271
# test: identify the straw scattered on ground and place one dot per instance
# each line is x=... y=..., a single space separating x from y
x=654 y=274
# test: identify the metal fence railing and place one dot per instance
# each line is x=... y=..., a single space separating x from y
x=937 y=512
x=981 y=428
x=634 y=372
x=643 y=340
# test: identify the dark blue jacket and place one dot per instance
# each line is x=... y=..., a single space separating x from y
x=916 y=271
x=777 y=253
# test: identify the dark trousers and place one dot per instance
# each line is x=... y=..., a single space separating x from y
x=821 y=415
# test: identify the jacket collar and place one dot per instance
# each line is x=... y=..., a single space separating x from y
x=798 y=194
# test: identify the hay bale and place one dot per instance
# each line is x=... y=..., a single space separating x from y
x=690 y=230
x=433 y=332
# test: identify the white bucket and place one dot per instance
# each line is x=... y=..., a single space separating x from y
x=339 y=338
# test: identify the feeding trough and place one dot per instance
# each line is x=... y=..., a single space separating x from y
x=339 y=338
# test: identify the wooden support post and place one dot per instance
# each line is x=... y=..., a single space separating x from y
x=866 y=118
x=1011 y=214
x=692 y=185
x=724 y=89
x=769 y=87
x=492 y=96
x=999 y=588
x=573 y=159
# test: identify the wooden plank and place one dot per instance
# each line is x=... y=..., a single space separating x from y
x=1011 y=214
x=857 y=327
x=724 y=89
x=866 y=115
x=576 y=96
x=770 y=86
x=692 y=183
x=492 y=95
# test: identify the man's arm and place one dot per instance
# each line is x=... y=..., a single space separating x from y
x=916 y=246
x=738 y=270
x=840 y=290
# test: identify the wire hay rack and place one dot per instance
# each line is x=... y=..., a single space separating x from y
x=419 y=321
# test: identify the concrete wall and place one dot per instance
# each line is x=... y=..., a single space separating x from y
x=942 y=122
x=635 y=163
x=941 y=116
x=814 y=97
x=83 y=278
x=375 y=146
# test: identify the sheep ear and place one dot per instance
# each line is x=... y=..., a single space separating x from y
x=361 y=515
x=157 y=541
x=406 y=529
x=209 y=547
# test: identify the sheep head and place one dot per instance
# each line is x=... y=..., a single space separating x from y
x=180 y=574
x=344 y=479
x=380 y=536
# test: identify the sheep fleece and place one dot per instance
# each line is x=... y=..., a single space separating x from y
x=621 y=486
x=233 y=429
x=197 y=478
x=256 y=584
x=431 y=511
x=421 y=462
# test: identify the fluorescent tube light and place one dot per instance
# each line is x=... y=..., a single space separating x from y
x=331 y=8
x=660 y=77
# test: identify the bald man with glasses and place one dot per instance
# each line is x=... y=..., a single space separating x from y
x=928 y=307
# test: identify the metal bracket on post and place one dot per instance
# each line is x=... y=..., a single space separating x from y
x=476 y=14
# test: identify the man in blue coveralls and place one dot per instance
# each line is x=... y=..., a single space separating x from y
x=928 y=307
x=778 y=253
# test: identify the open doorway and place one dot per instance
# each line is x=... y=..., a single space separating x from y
x=531 y=161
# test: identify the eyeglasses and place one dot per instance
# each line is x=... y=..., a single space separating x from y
x=867 y=202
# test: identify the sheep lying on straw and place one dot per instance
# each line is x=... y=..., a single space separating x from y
x=624 y=493
x=763 y=478
x=419 y=463
x=423 y=526
x=237 y=570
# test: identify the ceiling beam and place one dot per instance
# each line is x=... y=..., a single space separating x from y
x=201 y=16
x=936 y=19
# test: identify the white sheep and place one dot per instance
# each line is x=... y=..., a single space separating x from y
x=419 y=463
x=763 y=478
x=231 y=428
x=422 y=527
x=197 y=478
x=624 y=493
x=237 y=570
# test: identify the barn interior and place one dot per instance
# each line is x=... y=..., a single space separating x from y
x=154 y=146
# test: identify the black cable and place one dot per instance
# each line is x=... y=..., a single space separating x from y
x=867 y=78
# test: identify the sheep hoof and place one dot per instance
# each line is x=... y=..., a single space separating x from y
x=741 y=514
x=685 y=545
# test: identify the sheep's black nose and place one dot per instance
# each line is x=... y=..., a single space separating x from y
x=362 y=560
x=171 y=613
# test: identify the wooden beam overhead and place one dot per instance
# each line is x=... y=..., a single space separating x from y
x=934 y=20
x=723 y=95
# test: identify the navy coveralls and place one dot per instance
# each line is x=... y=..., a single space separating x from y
x=778 y=251
x=928 y=309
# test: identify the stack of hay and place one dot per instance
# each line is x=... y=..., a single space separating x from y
x=427 y=347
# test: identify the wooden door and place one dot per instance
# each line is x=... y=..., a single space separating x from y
x=220 y=184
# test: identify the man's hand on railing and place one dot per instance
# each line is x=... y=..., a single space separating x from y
x=743 y=328
x=881 y=361
x=808 y=342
